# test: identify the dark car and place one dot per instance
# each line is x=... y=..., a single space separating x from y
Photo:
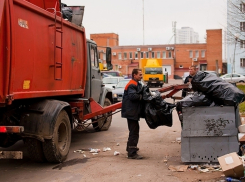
x=117 y=93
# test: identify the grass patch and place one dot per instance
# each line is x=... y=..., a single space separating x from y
x=242 y=105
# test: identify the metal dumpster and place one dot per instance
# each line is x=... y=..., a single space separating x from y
x=209 y=132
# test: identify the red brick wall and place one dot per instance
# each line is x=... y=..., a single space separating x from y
x=105 y=39
x=214 y=49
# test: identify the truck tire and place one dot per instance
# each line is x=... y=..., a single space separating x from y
x=57 y=148
x=35 y=150
x=103 y=124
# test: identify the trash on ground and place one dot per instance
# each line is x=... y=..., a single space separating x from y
x=165 y=160
x=193 y=167
x=106 y=149
x=203 y=170
x=79 y=151
x=180 y=168
x=178 y=139
x=94 y=150
x=94 y=153
x=84 y=155
x=116 y=153
x=232 y=165
x=118 y=144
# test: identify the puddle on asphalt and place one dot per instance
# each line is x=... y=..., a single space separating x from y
x=70 y=163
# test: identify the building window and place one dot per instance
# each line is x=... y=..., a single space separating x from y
x=130 y=55
x=203 y=53
x=242 y=62
x=125 y=55
x=119 y=55
x=242 y=43
x=152 y=54
x=242 y=26
x=136 y=55
x=197 y=54
x=142 y=55
x=164 y=55
x=147 y=55
x=242 y=7
x=191 y=54
x=169 y=54
x=180 y=66
x=158 y=55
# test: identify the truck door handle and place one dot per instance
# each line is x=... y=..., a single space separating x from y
x=93 y=77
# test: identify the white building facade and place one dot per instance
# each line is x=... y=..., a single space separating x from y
x=235 y=36
x=186 y=35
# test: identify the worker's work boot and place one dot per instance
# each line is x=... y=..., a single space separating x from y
x=137 y=149
x=136 y=156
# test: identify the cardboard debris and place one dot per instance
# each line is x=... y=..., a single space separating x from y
x=180 y=168
x=231 y=165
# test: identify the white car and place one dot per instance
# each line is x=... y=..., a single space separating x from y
x=109 y=82
x=235 y=77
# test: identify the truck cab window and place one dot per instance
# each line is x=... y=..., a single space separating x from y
x=94 y=57
x=92 y=54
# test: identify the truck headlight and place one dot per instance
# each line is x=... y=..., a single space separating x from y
x=115 y=95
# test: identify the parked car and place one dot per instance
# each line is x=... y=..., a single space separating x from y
x=117 y=93
x=112 y=73
x=105 y=75
x=111 y=81
x=242 y=74
x=235 y=77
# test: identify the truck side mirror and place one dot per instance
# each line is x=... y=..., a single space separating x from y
x=108 y=58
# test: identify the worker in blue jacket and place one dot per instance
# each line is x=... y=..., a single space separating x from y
x=131 y=109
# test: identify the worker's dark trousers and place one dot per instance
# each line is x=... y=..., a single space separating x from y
x=133 y=138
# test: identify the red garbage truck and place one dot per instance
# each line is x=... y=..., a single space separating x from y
x=50 y=81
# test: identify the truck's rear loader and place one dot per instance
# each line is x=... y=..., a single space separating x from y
x=50 y=81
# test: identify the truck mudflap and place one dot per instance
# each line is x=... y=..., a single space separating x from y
x=11 y=155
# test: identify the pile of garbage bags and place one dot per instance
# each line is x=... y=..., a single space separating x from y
x=211 y=90
x=220 y=91
x=157 y=112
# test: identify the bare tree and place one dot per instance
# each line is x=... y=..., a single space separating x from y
x=235 y=21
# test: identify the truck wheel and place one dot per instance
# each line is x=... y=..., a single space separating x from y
x=35 y=150
x=57 y=148
x=103 y=124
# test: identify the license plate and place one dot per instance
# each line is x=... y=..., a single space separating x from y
x=153 y=82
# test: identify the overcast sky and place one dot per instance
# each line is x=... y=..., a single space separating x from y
x=125 y=18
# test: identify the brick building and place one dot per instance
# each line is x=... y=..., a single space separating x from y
x=176 y=58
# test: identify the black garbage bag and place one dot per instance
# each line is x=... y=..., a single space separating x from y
x=157 y=111
x=220 y=91
x=195 y=99
x=66 y=12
